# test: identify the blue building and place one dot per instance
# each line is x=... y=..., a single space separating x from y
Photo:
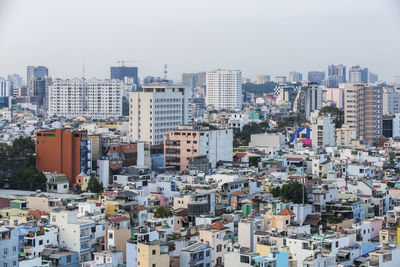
x=121 y=72
x=198 y=254
x=275 y=258
x=9 y=246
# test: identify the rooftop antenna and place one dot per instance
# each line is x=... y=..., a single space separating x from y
x=165 y=71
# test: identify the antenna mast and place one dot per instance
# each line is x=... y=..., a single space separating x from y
x=165 y=71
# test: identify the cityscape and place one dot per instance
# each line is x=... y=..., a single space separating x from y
x=205 y=166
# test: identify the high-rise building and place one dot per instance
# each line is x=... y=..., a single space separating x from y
x=63 y=151
x=99 y=99
x=6 y=88
x=322 y=132
x=358 y=74
x=295 y=76
x=280 y=79
x=40 y=72
x=391 y=101
x=189 y=79
x=316 y=77
x=336 y=75
x=35 y=73
x=363 y=110
x=372 y=78
x=159 y=108
x=40 y=92
x=201 y=78
x=261 y=78
x=194 y=147
x=16 y=80
x=121 y=72
x=314 y=97
x=224 y=89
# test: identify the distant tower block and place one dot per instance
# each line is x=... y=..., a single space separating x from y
x=165 y=71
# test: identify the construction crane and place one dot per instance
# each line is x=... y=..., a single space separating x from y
x=122 y=62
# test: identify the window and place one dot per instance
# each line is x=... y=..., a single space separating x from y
x=5 y=251
x=68 y=258
x=110 y=235
x=207 y=253
x=153 y=252
x=219 y=248
x=40 y=242
x=14 y=248
x=244 y=259
x=154 y=265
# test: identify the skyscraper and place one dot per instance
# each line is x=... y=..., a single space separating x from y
x=189 y=80
x=336 y=75
x=5 y=88
x=372 y=77
x=159 y=108
x=121 y=72
x=295 y=76
x=358 y=74
x=363 y=110
x=40 y=72
x=316 y=76
x=313 y=100
x=224 y=89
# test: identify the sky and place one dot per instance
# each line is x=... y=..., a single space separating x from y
x=255 y=36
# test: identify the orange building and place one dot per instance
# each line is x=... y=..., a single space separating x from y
x=63 y=151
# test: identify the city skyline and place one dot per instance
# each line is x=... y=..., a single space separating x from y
x=240 y=39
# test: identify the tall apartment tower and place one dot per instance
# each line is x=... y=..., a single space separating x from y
x=313 y=98
x=224 y=89
x=122 y=72
x=295 y=76
x=358 y=74
x=363 y=110
x=316 y=76
x=336 y=75
x=159 y=108
x=63 y=151
x=99 y=99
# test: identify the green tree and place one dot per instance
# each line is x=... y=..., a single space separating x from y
x=293 y=192
x=242 y=138
x=162 y=212
x=29 y=178
x=336 y=114
x=94 y=186
x=276 y=191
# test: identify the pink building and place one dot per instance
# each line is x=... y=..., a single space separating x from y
x=336 y=96
x=197 y=147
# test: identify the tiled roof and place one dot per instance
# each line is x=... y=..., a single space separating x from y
x=118 y=219
x=285 y=212
x=217 y=226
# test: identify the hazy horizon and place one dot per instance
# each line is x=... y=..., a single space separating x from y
x=254 y=36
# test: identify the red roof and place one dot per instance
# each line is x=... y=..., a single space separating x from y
x=118 y=219
x=218 y=226
x=285 y=212
x=240 y=154
x=98 y=204
x=237 y=193
x=37 y=214
x=294 y=159
x=366 y=196
x=141 y=207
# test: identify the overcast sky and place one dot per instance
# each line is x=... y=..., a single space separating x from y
x=256 y=36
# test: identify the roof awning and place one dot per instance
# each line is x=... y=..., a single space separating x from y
x=343 y=254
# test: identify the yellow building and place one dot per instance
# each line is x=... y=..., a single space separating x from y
x=152 y=254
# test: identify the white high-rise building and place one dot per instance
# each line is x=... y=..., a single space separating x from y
x=6 y=88
x=224 y=89
x=98 y=99
x=159 y=108
x=322 y=131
